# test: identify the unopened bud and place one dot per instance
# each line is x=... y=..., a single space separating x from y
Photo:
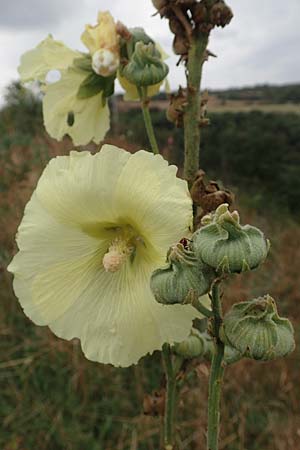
x=145 y=67
x=195 y=345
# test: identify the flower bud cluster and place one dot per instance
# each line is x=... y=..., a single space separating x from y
x=221 y=246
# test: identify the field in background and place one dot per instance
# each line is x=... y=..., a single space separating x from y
x=54 y=399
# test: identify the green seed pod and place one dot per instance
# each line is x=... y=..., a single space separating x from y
x=195 y=345
x=225 y=245
x=145 y=67
x=231 y=355
x=183 y=279
x=255 y=329
x=139 y=35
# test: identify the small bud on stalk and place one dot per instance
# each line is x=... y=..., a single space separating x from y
x=196 y=344
x=255 y=329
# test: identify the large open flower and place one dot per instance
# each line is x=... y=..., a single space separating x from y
x=93 y=232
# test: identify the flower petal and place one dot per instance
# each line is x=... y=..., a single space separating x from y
x=91 y=118
x=79 y=190
x=50 y=266
x=59 y=276
x=131 y=92
x=102 y=35
x=164 y=211
x=119 y=321
x=117 y=186
x=48 y=55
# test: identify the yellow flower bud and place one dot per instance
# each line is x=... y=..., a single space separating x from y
x=102 y=42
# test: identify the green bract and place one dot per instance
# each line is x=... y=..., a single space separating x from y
x=183 y=279
x=195 y=345
x=145 y=66
x=228 y=247
x=255 y=329
x=231 y=355
x=93 y=83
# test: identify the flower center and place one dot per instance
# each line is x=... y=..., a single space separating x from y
x=123 y=245
x=118 y=252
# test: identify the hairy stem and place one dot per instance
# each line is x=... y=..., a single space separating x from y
x=216 y=374
x=202 y=309
x=196 y=57
x=169 y=419
x=147 y=119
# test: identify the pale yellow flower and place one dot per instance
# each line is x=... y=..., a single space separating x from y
x=93 y=232
x=89 y=116
x=102 y=42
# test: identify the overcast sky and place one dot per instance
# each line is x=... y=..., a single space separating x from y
x=261 y=45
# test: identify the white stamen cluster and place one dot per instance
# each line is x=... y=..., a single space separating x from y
x=117 y=254
x=105 y=62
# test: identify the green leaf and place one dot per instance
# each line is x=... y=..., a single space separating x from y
x=93 y=84
x=84 y=63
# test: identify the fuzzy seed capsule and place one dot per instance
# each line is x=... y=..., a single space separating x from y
x=255 y=329
x=227 y=246
x=183 y=279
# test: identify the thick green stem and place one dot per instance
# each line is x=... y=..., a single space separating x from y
x=169 y=419
x=147 y=119
x=196 y=58
x=216 y=374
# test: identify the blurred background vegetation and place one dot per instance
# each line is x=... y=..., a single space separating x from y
x=52 y=397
